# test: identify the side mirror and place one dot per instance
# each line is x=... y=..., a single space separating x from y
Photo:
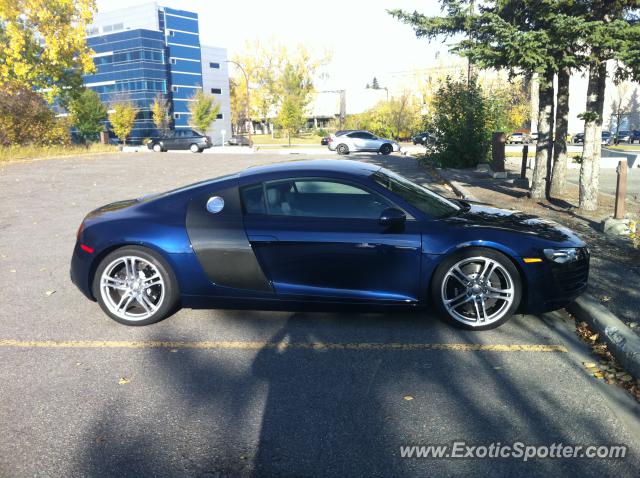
x=393 y=218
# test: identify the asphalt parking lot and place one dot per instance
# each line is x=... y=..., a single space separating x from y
x=250 y=393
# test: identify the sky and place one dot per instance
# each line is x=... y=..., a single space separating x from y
x=365 y=41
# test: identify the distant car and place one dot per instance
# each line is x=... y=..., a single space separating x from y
x=635 y=136
x=578 y=138
x=623 y=136
x=180 y=139
x=238 y=141
x=533 y=137
x=519 y=138
x=325 y=141
x=356 y=141
x=423 y=138
x=607 y=138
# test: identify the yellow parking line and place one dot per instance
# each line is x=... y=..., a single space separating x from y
x=238 y=345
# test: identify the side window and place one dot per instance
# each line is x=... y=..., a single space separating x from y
x=323 y=198
x=253 y=199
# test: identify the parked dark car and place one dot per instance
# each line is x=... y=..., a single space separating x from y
x=423 y=138
x=180 y=139
x=578 y=138
x=635 y=136
x=324 y=141
x=323 y=233
x=238 y=140
x=607 y=138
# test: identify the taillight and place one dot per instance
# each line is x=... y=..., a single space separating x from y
x=330 y=139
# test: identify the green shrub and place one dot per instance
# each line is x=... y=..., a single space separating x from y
x=460 y=121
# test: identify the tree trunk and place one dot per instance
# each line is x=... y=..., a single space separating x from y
x=544 y=145
x=559 y=172
x=590 y=167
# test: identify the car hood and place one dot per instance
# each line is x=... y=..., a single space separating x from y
x=480 y=215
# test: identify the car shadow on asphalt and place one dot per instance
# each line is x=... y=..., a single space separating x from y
x=286 y=410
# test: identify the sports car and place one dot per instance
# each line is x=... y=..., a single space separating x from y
x=323 y=233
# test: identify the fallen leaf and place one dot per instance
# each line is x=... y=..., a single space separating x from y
x=123 y=381
x=605 y=298
x=625 y=378
x=173 y=350
x=12 y=270
x=100 y=439
x=50 y=292
x=589 y=364
x=598 y=374
x=43 y=269
x=408 y=397
x=593 y=337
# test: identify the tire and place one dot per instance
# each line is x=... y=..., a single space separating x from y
x=128 y=301
x=342 y=149
x=194 y=148
x=471 y=302
x=386 y=149
x=157 y=148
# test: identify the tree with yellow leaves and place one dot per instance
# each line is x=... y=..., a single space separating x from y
x=44 y=44
x=122 y=118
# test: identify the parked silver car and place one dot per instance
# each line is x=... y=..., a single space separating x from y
x=361 y=141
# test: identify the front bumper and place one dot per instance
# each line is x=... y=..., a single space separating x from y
x=552 y=286
x=80 y=270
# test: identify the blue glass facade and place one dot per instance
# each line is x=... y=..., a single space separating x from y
x=139 y=64
x=184 y=57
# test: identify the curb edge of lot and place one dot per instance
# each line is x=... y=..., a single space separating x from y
x=623 y=342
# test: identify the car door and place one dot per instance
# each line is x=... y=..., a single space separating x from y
x=371 y=142
x=321 y=238
x=358 y=141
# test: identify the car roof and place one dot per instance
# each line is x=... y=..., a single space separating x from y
x=314 y=166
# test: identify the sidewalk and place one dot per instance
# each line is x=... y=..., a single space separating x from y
x=615 y=264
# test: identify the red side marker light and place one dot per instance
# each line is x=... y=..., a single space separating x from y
x=86 y=248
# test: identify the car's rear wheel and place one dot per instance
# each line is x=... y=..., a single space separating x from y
x=386 y=148
x=157 y=148
x=194 y=148
x=342 y=149
x=135 y=286
x=476 y=289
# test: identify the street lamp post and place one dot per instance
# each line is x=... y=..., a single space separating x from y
x=246 y=77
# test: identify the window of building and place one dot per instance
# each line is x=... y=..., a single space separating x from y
x=216 y=91
x=214 y=65
x=176 y=115
x=174 y=89
x=172 y=33
x=220 y=116
x=173 y=61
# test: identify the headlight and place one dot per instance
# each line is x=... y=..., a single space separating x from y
x=562 y=256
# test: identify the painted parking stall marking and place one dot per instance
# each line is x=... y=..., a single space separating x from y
x=257 y=345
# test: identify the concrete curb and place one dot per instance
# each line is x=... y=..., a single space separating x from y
x=623 y=343
x=458 y=188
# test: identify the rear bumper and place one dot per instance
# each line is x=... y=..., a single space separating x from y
x=80 y=271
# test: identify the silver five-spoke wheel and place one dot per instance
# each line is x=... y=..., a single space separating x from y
x=132 y=288
x=477 y=291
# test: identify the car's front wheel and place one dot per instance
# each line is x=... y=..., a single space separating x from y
x=477 y=289
x=194 y=148
x=386 y=149
x=135 y=286
x=157 y=148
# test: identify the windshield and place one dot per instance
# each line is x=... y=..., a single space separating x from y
x=430 y=203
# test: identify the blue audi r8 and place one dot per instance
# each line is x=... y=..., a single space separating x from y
x=319 y=232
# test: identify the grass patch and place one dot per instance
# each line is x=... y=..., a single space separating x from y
x=259 y=139
x=625 y=147
x=31 y=152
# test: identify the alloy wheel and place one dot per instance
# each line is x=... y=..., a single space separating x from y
x=132 y=288
x=477 y=291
